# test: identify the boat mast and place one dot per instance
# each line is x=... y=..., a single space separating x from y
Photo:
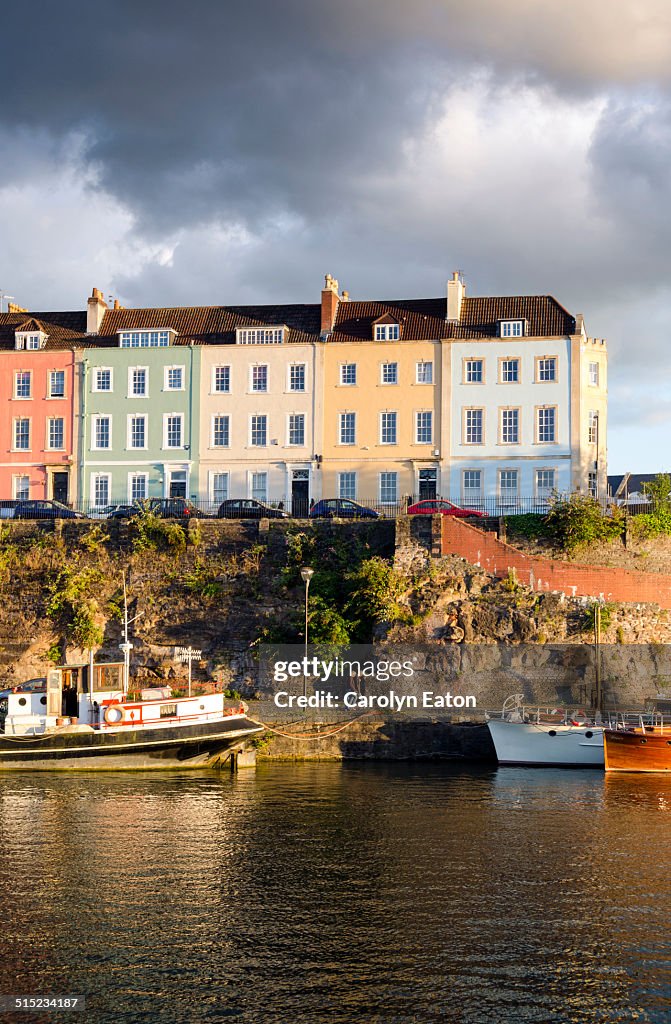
x=126 y=646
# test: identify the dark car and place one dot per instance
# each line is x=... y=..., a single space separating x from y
x=442 y=507
x=37 y=509
x=249 y=508
x=120 y=511
x=342 y=508
x=174 y=508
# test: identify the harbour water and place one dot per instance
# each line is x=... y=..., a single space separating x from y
x=340 y=893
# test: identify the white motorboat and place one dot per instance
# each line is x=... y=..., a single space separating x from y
x=550 y=736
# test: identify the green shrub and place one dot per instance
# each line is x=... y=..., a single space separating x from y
x=529 y=525
x=579 y=521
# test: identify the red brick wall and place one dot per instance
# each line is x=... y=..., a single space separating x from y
x=609 y=582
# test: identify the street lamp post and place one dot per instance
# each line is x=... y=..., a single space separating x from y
x=306 y=575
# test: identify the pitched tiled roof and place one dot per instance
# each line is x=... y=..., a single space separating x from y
x=207 y=325
x=425 y=318
x=63 y=330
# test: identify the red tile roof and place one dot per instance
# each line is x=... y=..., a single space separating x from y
x=63 y=330
x=212 y=325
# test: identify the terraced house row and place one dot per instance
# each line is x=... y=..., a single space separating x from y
x=465 y=397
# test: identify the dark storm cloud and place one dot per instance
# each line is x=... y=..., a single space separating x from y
x=239 y=110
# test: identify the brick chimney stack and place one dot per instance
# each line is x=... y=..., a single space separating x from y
x=329 y=303
x=456 y=291
x=95 y=311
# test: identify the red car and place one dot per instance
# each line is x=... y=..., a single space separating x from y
x=433 y=506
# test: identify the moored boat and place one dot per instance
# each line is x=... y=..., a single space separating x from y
x=645 y=747
x=545 y=737
x=84 y=717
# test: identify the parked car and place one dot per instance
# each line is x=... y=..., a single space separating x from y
x=174 y=508
x=38 y=509
x=7 y=507
x=249 y=508
x=113 y=511
x=342 y=508
x=440 y=506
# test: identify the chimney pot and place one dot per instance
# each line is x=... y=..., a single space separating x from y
x=95 y=311
x=329 y=304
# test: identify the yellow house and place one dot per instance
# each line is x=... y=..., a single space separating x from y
x=382 y=380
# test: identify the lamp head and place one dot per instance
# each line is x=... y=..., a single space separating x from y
x=307 y=574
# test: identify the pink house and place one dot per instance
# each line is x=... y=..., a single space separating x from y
x=38 y=382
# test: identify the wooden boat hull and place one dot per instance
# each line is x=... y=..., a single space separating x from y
x=637 y=751
x=186 y=746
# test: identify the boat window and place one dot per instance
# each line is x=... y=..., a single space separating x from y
x=552 y=732
x=589 y=735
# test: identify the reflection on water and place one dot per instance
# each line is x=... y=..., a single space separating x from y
x=340 y=893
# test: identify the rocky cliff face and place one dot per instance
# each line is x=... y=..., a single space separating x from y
x=224 y=586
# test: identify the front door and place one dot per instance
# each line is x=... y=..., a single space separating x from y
x=300 y=493
x=428 y=480
x=60 y=487
x=177 y=483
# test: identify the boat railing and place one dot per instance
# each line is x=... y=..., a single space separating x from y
x=648 y=721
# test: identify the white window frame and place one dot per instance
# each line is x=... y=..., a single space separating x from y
x=423 y=412
x=94 y=430
x=252 y=418
x=297 y=366
x=29 y=375
x=129 y=431
x=511 y=328
x=254 y=368
x=388 y=383
x=94 y=487
x=137 y=394
x=292 y=416
x=15 y=423
x=471 y=494
x=50 y=384
x=540 y=409
x=167 y=416
x=132 y=477
x=465 y=426
x=167 y=370
x=505 y=363
x=345 y=476
x=257 y=492
x=503 y=427
x=344 y=370
x=424 y=371
x=468 y=371
x=95 y=381
x=509 y=493
x=593 y=374
x=387 y=332
x=260 y=335
x=213 y=429
x=387 y=500
x=48 y=445
x=215 y=389
x=593 y=427
x=17 y=492
x=384 y=428
x=541 y=369
x=146 y=338
x=543 y=493
x=341 y=424
x=214 y=499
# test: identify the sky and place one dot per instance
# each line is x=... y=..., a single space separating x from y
x=236 y=151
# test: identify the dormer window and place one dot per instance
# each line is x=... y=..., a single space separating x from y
x=30 y=340
x=386 y=328
x=387 y=332
x=147 y=339
x=512 y=328
x=260 y=335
